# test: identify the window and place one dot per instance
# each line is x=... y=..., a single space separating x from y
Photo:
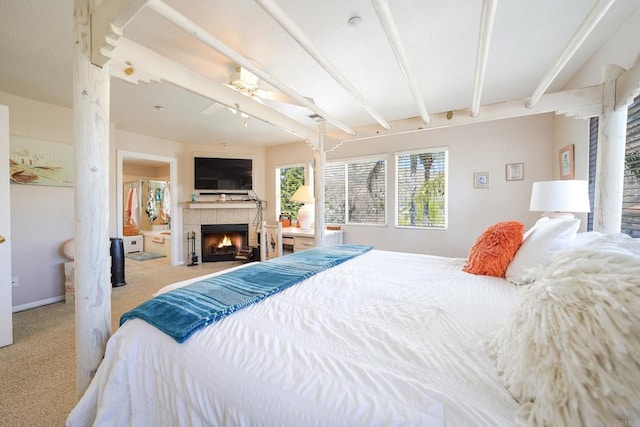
x=421 y=188
x=631 y=188
x=288 y=179
x=593 y=151
x=355 y=191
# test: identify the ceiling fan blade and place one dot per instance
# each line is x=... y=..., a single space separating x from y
x=279 y=97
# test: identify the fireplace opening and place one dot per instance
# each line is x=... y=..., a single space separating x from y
x=222 y=242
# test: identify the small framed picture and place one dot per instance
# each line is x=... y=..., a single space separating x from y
x=481 y=180
x=514 y=171
x=567 y=163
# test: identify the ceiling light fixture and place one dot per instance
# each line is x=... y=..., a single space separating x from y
x=354 y=21
x=316 y=117
x=129 y=70
x=159 y=107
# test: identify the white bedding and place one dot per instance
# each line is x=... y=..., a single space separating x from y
x=383 y=339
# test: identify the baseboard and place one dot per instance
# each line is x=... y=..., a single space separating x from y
x=37 y=304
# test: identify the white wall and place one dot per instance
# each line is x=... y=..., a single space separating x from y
x=472 y=148
x=42 y=218
x=572 y=131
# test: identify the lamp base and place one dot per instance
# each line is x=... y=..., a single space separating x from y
x=305 y=217
x=558 y=215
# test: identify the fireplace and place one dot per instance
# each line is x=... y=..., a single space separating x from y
x=221 y=242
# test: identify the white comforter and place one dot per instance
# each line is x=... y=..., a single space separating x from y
x=383 y=339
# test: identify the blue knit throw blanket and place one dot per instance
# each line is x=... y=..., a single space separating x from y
x=183 y=311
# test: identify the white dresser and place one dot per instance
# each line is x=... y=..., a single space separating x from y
x=133 y=244
x=299 y=240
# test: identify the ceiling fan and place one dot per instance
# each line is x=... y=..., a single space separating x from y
x=245 y=82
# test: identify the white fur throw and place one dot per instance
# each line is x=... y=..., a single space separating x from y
x=570 y=350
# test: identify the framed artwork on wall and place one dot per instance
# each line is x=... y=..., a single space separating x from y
x=481 y=180
x=38 y=162
x=567 y=162
x=514 y=171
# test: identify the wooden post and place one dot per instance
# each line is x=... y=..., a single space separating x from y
x=320 y=159
x=612 y=134
x=91 y=132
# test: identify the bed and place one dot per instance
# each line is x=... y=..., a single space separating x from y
x=384 y=338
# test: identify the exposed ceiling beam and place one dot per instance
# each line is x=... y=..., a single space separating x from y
x=391 y=30
x=628 y=87
x=287 y=24
x=594 y=16
x=148 y=65
x=107 y=24
x=484 y=40
x=579 y=103
x=207 y=38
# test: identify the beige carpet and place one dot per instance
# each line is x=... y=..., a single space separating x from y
x=37 y=372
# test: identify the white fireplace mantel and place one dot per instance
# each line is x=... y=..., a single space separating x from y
x=210 y=212
x=222 y=205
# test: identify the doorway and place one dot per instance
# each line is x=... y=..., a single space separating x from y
x=130 y=158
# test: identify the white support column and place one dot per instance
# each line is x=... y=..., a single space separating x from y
x=612 y=134
x=92 y=264
x=320 y=157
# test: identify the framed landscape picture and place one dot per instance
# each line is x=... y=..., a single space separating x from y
x=567 y=162
x=39 y=162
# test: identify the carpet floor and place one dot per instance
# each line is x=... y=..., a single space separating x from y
x=37 y=372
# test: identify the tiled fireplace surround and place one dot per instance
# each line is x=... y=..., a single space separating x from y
x=223 y=213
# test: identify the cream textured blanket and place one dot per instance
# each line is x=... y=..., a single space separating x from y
x=570 y=350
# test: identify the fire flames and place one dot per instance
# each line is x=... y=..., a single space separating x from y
x=225 y=242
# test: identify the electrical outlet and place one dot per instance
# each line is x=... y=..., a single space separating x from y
x=15 y=282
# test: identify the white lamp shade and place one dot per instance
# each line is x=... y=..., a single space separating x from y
x=303 y=194
x=560 y=196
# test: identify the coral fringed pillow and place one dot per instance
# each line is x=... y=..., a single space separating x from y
x=494 y=249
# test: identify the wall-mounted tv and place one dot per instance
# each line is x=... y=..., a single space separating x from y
x=222 y=174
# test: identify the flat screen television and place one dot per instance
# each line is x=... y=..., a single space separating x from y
x=223 y=174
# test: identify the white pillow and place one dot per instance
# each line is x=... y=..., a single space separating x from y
x=547 y=236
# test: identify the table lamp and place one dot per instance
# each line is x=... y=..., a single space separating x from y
x=304 y=194
x=557 y=199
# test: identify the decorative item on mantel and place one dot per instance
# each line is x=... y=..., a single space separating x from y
x=304 y=194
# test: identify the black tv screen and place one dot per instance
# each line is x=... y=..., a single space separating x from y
x=222 y=174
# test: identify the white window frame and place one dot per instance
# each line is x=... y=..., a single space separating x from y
x=364 y=159
x=398 y=154
x=278 y=191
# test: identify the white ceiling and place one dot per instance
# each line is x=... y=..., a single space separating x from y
x=440 y=37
